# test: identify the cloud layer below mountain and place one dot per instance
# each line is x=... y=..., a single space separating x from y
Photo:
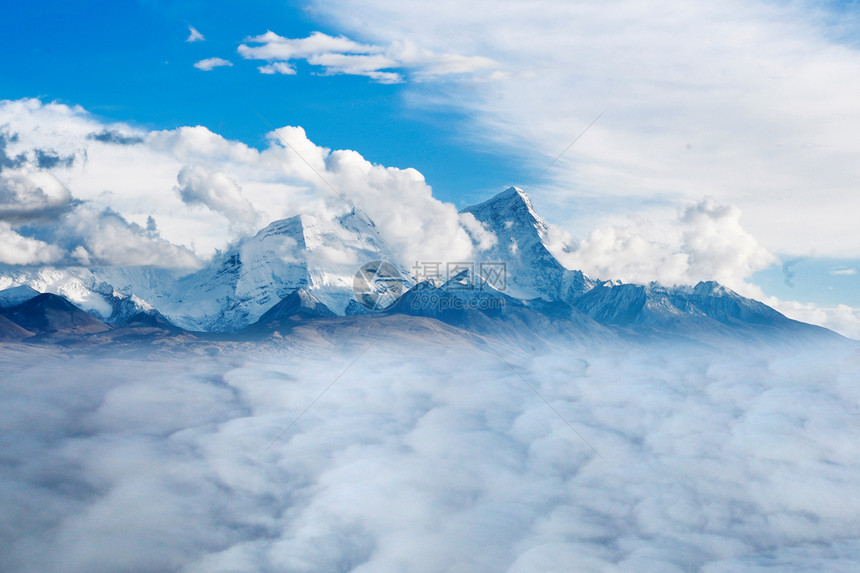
x=443 y=461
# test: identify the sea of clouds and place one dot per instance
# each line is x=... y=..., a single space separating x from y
x=442 y=457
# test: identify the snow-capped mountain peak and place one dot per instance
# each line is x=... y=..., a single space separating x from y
x=532 y=271
x=16 y=295
x=511 y=208
x=301 y=252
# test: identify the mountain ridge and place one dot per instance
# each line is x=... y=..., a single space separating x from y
x=303 y=267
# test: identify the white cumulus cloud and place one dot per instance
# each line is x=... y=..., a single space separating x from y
x=705 y=242
x=717 y=245
x=840 y=318
x=167 y=175
x=215 y=190
x=27 y=194
x=105 y=237
x=18 y=250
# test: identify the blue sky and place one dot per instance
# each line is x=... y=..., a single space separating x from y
x=727 y=124
x=826 y=281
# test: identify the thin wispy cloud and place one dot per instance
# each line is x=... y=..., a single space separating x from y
x=843 y=271
x=341 y=55
x=212 y=63
x=278 y=68
x=742 y=101
x=194 y=35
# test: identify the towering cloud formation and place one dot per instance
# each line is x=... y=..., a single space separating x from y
x=705 y=242
x=718 y=246
x=19 y=250
x=168 y=175
x=28 y=194
x=215 y=190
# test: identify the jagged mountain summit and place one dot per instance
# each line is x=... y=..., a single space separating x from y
x=302 y=252
x=237 y=286
x=533 y=272
x=705 y=311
